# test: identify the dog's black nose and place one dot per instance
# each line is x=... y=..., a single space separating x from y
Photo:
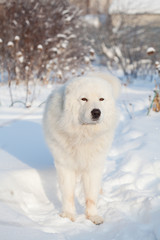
x=95 y=114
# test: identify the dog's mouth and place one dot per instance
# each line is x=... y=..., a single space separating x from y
x=94 y=122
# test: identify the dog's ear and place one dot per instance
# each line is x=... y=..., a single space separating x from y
x=116 y=85
x=69 y=86
x=68 y=94
x=112 y=80
x=69 y=104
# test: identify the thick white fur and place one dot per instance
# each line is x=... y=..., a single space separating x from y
x=79 y=144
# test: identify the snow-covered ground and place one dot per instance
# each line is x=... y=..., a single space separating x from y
x=130 y=203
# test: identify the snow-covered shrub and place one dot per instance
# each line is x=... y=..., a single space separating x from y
x=41 y=40
x=125 y=49
x=44 y=36
x=132 y=61
x=123 y=46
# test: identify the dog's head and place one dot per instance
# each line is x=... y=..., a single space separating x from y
x=89 y=101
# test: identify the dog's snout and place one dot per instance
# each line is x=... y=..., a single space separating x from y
x=95 y=114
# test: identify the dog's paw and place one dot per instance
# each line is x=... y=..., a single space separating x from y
x=71 y=216
x=96 y=219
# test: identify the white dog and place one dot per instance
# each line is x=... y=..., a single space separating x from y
x=79 y=122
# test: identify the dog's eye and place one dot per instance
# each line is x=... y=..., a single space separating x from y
x=101 y=99
x=84 y=99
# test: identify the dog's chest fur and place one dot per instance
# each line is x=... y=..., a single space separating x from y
x=85 y=150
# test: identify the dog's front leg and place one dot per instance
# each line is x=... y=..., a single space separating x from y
x=66 y=179
x=92 y=184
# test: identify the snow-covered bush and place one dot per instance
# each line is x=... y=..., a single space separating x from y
x=132 y=61
x=122 y=46
x=125 y=49
x=41 y=40
x=43 y=37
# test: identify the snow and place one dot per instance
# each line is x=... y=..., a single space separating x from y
x=54 y=49
x=40 y=47
x=132 y=7
x=17 y=38
x=29 y=196
x=26 y=68
x=92 y=20
x=151 y=50
x=10 y=44
x=61 y=36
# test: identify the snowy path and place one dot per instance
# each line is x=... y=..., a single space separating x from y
x=130 y=203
